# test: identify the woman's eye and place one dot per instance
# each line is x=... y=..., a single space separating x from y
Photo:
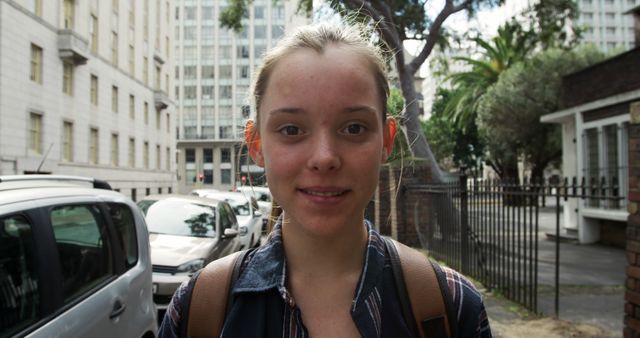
x=290 y=131
x=355 y=129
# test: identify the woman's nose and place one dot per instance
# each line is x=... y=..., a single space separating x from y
x=324 y=155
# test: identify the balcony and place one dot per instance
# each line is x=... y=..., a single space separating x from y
x=161 y=99
x=72 y=48
x=157 y=57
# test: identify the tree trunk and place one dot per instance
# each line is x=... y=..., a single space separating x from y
x=411 y=125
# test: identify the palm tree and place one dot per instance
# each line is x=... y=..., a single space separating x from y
x=498 y=54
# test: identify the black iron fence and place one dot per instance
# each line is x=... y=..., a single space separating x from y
x=489 y=229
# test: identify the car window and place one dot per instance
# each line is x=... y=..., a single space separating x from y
x=181 y=218
x=84 y=251
x=19 y=302
x=231 y=219
x=125 y=227
x=224 y=220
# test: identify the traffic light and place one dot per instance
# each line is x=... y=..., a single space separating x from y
x=200 y=177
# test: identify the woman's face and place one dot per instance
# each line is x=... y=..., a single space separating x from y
x=322 y=138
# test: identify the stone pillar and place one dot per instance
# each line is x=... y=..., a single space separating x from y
x=632 y=294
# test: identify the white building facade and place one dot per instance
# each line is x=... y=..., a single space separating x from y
x=214 y=71
x=604 y=21
x=84 y=91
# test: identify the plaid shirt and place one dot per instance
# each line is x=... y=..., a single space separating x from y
x=263 y=306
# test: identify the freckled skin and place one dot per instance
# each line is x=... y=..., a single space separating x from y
x=331 y=103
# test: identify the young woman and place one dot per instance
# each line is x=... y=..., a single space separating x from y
x=321 y=133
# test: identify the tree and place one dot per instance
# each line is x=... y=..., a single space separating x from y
x=542 y=26
x=452 y=146
x=510 y=111
x=395 y=22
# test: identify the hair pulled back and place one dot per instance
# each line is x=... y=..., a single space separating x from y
x=318 y=37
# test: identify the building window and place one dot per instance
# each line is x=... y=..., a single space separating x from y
x=132 y=13
x=158 y=73
x=93 y=30
x=35 y=132
x=146 y=113
x=145 y=16
x=132 y=152
x=93 y=146
x=114 y=6
x=36 y=64
x=114 y=150
x=168 y=123
x=225 y=176
x=114 y=99
x=208 y=165
x=67 y=141
x=69 y=14
x=225 y=92
x=145 y=70
x=606 y=149
x=132 y=106
x=145 y=154
x=37 y=7
x=158 y=159
x=114 y=48
x=190 y=166
x=67 y=78
x=94 y=90
x=158 y=119
x=132 y=60
x=225 y=71
x=208 y=72
x=167 y=158
x=133 y=194
x=225 y=155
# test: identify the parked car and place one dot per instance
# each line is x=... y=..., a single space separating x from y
x=263 y=196
x=74 y=260
x=203 y=192
x=247 y=213
x=185 y=233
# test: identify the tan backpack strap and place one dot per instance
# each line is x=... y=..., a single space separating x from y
x=209 y=298
x=423 y=289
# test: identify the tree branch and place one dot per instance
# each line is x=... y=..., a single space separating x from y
x=434 y=33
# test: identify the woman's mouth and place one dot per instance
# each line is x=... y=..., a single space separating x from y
x=323 y=193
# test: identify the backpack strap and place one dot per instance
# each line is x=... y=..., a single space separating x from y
x=211 y=296
x=421 y=294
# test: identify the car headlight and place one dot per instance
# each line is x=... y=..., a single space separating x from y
x=191 y=267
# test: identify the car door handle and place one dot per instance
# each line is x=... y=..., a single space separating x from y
x=118 y=309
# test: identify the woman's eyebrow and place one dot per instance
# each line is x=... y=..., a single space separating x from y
x=286 y=110
x=363 y=108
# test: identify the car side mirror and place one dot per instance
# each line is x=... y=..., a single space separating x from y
x=257 y=213
x=230 y=233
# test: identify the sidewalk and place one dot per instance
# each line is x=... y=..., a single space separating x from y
x=591 y=292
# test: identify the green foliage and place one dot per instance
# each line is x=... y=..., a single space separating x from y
x=510 y=111
x=451 y=145
x=395 y=108
x=231 y=16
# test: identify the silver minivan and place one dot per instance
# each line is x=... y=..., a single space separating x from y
x=74 y=260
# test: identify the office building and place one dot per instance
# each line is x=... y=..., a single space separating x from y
x=214 y=68
x=84 y=91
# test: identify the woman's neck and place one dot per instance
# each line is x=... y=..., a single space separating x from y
x=320 y=256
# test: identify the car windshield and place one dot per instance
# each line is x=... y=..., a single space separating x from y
x=239 y=208
x=181 y=218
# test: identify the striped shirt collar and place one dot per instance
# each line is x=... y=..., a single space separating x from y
x=267 y=269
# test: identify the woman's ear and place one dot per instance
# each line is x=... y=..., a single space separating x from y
x=252 y=138
x=390 y=129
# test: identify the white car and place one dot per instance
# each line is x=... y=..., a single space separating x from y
x=247 y=213
x=203 y=192
x=74 y=260
x=263 y=196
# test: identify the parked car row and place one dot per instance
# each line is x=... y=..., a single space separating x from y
x=79 y=260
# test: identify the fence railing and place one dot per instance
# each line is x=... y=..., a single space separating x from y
x=489 y=229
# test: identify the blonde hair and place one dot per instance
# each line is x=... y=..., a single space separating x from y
x=318 y=37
